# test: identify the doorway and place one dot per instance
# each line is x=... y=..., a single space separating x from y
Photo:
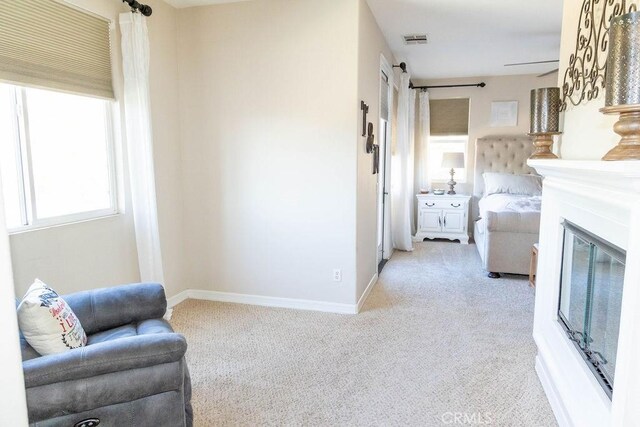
x=383 y=181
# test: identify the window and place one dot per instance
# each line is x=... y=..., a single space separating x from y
x=56 y=157
x=438 y=145
x=449 y=127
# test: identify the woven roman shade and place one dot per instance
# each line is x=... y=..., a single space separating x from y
x=44 y=43
x=449 y=116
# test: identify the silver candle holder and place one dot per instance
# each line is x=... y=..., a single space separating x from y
x=544 y=121
x=622 y=83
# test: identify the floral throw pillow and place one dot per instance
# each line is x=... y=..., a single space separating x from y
x=47 y=322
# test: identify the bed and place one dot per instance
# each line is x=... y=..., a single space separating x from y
x=506 y=225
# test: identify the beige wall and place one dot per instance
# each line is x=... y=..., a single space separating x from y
x=498 y=88
x=371 y=44
x=103 y=252
x=163 y=75
x=588 y=134
x=261 y=175
x=268 y=104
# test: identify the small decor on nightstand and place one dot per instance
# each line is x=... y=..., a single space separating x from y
x=443 y=216
x=545 y=121
x=452 y=160
x=623 y=85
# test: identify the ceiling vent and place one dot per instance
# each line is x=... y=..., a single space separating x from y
x=415 y=39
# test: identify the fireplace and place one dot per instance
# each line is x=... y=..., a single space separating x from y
x=587 y=311
x=591 y=281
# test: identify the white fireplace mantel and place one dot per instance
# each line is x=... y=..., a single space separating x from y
x=606 y=175
x=603 y=198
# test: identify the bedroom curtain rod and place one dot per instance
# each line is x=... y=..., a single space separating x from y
x=403 y=67
x=142 y=8
x=481 y=84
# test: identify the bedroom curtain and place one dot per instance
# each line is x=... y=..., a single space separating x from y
x=402 y=169
x=14 y=410
x=135 y=64
x=412 y=159
x=422 y=144
x=421 y=181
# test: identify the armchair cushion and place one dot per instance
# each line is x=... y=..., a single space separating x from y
x=107 y=308
x=105 y=357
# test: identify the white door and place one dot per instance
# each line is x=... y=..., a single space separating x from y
x=429 y=220
x=382 y=140
x=382 y=179
x=452 y=221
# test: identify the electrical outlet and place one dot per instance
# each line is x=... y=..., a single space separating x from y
x=337 y=275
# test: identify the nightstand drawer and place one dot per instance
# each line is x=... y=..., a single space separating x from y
x=442 y=204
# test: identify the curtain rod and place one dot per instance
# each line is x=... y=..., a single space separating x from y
x=481 y=84
x=403 y=67
x=135 y=6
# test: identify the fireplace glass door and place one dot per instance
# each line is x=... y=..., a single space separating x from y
x=591 y=298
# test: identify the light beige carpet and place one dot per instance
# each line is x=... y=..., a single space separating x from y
x=438 y=343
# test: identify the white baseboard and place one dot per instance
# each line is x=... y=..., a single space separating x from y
x=366 y=292
x=557 y=406
x=265 y=301
x=177 y=299
x=173 y=301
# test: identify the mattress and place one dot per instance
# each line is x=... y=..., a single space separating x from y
x=509 y=213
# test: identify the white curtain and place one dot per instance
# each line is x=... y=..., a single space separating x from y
x=421 y=181
x=412 y=158
x=14 y=406
x=135 y=62
x=422 y=144
x=402 y=169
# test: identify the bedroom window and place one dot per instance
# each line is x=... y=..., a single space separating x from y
x=449 y=129
x=438 y=145
x=56 y=157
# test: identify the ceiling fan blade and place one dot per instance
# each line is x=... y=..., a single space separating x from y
x=548 y=72
x=532 y=63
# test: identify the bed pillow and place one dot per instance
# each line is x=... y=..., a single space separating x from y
x=47 y=322
x=508 y=183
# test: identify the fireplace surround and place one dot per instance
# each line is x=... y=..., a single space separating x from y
x=591 y=215
x=591 y=281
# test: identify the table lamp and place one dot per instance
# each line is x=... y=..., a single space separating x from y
x=453 y=161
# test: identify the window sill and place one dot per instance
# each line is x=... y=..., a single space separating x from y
x=42 y=227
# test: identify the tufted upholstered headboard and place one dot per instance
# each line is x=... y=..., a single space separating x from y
x=499 y=153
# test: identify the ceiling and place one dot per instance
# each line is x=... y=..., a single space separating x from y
x=472 y=38
x=466 y=37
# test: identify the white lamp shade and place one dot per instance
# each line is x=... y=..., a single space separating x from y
x=453 y=160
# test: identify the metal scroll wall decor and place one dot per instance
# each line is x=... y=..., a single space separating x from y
x=585 y=75
x=374 y=148
x=365 y=110
x=367 y=130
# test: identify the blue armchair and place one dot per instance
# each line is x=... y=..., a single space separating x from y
x=131 y=372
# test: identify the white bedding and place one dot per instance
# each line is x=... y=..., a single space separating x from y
x=509 y=213
x=510 y=203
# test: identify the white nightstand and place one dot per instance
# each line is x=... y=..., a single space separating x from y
x=444 y=216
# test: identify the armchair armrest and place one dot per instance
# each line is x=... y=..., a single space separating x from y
x=102 y=309
x=103 y=358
